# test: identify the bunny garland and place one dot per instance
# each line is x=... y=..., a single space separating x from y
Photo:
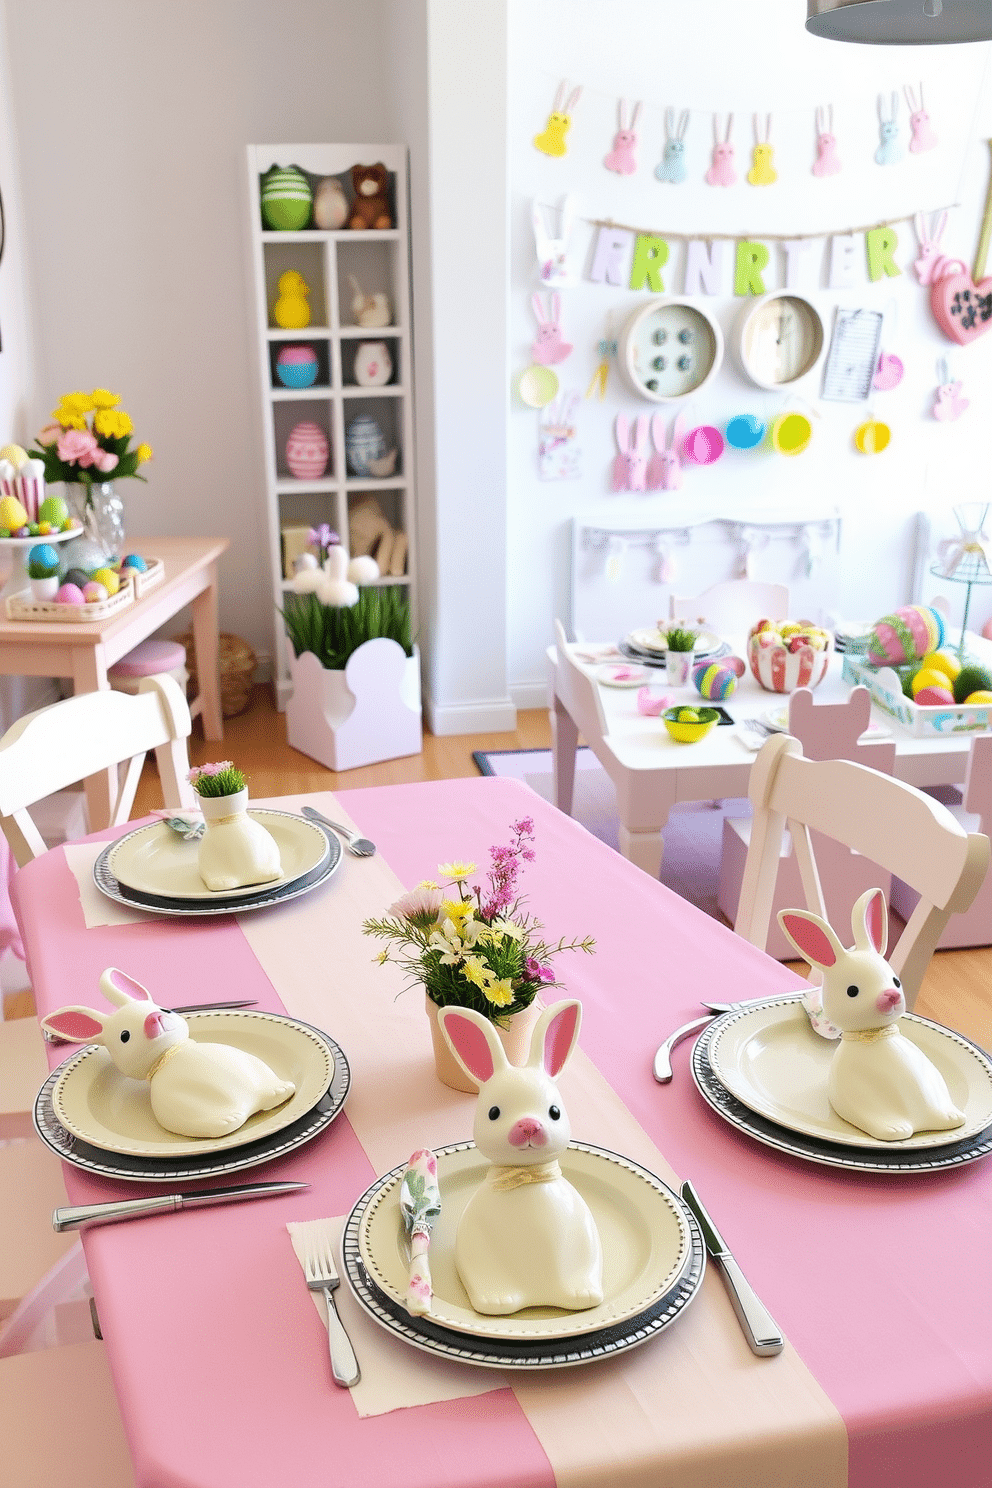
x=552 y=252
x=553 y=138
x=762 y=172
x=890 y=150
x=196 y=1089
x=923 y=137
x=622 y=158
x=550 y=346
x=721 y=172
x=671 y=167
x=526 y=1237
x=826 y=162
x=879 y=1080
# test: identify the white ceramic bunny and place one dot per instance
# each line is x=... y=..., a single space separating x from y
x=369 y=310
x=197 y=1090
x=665 y=468
x=550 y=346
x=630 y=464
x=552 y=252
x=879 y=1080
x=526 y=1237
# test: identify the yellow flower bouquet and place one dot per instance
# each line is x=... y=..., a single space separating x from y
x=471 y=946
x=89 y=441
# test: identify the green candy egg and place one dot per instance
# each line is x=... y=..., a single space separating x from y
x=53 y=509
x=287 y=199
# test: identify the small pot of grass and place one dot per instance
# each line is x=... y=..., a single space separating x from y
x=680 y=651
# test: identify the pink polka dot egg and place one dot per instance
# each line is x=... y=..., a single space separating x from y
x=718 y=679
x=307 y=451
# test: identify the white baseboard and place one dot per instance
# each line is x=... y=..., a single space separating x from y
x=530 y=695
x=495 y=716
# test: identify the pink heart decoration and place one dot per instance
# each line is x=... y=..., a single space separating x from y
x=888 y=373
x=961 y=308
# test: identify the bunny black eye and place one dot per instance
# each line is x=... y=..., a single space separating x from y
x=853 y=991
x=494 y=1113
x=896 y=982
x=125 y=1036
x=554 y=1113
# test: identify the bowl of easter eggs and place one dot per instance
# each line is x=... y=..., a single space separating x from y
x=686 y=724
x=786 y=654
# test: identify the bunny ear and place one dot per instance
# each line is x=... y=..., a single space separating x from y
x=635 y=115
x=658 y=432
x=678 y=433
x=120 y=989
x=473 y=1042
x=870 y=922
x=622 y=427
x=683 y=123
x=574 y=97
x=538 y=309
x=555 y=308
x=669 y=123
x=643 y=425
x=941 y=223
x=554 y=1037
x=560 y=95
x=812 y=936
x=80 y=1025
x=568 y=207
x=919 y=222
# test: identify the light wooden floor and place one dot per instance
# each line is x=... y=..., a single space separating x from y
x=958 y=986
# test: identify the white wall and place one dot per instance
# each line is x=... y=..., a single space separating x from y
x=716 y=55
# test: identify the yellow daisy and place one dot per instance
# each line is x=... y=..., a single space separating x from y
x=500 y=993
x=101 y=398
x=477 y=972
x=456 y=871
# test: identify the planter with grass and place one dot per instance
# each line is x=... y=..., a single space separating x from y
x=355 y=672
x=680 y=654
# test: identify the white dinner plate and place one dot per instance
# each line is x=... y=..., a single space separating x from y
x=623 y=674
x=769 y=1057
x=112 y=1112
x=642 y=1225
x=159 y=861
x=654 y=639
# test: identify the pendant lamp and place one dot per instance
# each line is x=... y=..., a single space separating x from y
x=900 y=22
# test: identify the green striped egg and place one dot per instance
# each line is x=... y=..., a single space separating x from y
x=287 y=199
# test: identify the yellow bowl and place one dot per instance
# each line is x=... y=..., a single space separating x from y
x=688 y=733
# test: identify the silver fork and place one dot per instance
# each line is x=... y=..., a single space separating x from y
x=322 y=1276
x=360 y=846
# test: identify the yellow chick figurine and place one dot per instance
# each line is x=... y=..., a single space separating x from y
x=291 y=310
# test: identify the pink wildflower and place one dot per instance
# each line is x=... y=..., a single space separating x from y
x=77 y=444
x=538 y=973
x=215 y=769
x=418 y=903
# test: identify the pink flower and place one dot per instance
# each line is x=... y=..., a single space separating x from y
x=105 y=461
x=49 y=434
x=77 y=444
x=418 y=903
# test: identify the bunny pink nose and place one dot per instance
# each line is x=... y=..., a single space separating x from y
x=527 y=1133
x=887 y=1000
x=157 y=1023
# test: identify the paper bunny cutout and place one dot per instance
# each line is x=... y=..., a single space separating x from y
x=890 y=151
x=622 y=158
x=526 y=1237
x=552 y=252
x=196 y=1089
x=932 y=265
x=671 y=167
x=552 y=139
x=762 y=172
x=665 y=468
x=630 y=465
x=721 y=172
x=550 y=346
x=879 y=1080
x=921 y=130
x=826 y=162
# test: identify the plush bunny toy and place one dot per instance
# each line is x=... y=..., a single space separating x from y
x=879 y=1080
x=526 y=1237
x=197 y=1090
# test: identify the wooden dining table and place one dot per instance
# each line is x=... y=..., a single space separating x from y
x=880 y=1282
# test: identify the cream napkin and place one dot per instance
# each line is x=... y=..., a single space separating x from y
x=97 y=908
x=388 y=1382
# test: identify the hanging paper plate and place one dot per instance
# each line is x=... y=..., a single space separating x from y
x=791 y=433
x=872 y=437
x=668 y=349
x=745 y=431
x=538 y=386
x=780 y=340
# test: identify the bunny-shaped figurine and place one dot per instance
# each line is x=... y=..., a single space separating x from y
x=826 y=162
x=879 y=1080
x=950 y=404
x=721 y=172
x=762 y=172
x=552 y=253
x=890 y=150
x=552 y=139
x=672 y=164
x=622 y=158
x=630 y=465
x=369 y=310
x=665 y=468
x=526 y=1237
x=196 y=1089
x=922 y=136
x=550 y=346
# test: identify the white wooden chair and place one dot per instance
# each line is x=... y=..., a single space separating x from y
x=825 y=731
x=892 y=823
x=731 y=608
x=89 y=735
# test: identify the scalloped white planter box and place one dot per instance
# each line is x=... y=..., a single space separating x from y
x=368 y=712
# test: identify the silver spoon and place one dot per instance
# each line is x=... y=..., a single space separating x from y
x=360 y=846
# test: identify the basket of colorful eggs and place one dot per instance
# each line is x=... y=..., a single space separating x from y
x=786 y=654
x=81 y=594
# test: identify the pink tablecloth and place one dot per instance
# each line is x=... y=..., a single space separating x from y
x=882 y=1285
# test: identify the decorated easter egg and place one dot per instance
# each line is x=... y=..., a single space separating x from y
x=718 y=679
x=286 y=199
x=15 y=454
x=307 y=451
x=363 y=442
x=77 y=576
x=94 y=592
x=703 y=446
x=296 y=366
x=330 y=205
x=53 y=509
x=12 y=514
x=43 y=555
x=982 y=696
x=942 y=661
x=934 y=697
x=905 y=635
x=70 y=594
x=135 y=560
x=108 y=579
x=745 y=431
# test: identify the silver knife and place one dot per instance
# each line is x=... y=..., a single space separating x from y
x=75 y=1217
x=760 y=1328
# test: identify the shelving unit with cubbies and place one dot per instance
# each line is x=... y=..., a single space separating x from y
x=328 y=260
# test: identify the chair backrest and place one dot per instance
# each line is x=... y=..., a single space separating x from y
x=69 y=741
x=893 y=824
x=579 y=692
x=978 y=781
x=733 y=607
x=833 y=730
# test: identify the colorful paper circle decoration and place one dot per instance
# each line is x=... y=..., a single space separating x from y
x=704 y=445
x=791 y=433
x=745 y=431
x=872 y=437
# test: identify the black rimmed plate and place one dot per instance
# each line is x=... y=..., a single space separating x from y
x=659 y=660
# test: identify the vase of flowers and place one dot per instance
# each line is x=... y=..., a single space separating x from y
x=680 y=653
x=474 y=946
x=89 y=440
x=235 y=850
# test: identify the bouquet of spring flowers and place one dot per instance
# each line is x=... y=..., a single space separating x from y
x=474 y=946
x=89 y=440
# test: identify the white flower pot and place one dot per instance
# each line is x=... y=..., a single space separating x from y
x=678 y=667
x=45 y=589
x=235 y=850
x=368 y=712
